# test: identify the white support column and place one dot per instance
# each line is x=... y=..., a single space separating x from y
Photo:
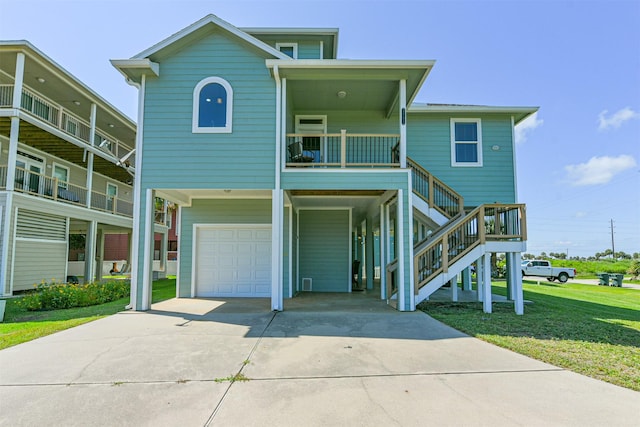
x=369 y=251
x=399 y=235
x=277 y=219
x=5 y=227
x=90 y=251
x=383 y=251
x=92 y=135
x=147 y=256
x=454 y=288
x=466 y=279
x=403 y=123
x=480 y=279
x=15 y=122
x=516 y=282
x=99 y=254
x=486 y=288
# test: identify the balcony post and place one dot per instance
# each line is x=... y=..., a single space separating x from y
x=54 y=191
x=92 y=137
x=15 y=122
x=343 y=148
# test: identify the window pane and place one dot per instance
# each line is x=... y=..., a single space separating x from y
x=60 y=173
x=466 y=131
x=466 y=153
x=213 y=106
x=287 y=50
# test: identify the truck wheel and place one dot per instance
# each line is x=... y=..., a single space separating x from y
x=562 y=277
x=551 y=279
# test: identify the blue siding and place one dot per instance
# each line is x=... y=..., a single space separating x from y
x=324 y=249
x=337 y=179
x=429 y=144
x=215 y=212
x=174 y=157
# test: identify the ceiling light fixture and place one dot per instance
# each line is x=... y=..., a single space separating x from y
x=111 y=125
x=342 y=94
x=41 y=80
x=76 y=102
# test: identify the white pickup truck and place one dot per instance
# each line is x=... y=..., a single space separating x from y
x=543 y=268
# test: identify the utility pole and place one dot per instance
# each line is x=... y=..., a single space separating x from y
x=613 y=245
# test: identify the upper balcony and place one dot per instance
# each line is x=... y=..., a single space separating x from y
x=342 y=150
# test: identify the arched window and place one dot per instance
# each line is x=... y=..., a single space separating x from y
x=212 y=106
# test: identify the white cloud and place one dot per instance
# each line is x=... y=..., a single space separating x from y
x=616 y=119
x=526 y=126
x=581 y=214
x=598 y=170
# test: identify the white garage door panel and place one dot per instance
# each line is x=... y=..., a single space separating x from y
x=233 y=261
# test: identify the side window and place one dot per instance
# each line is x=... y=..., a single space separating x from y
x=212 y=106
x=62 y=173
x=466 y=142
x=289 y=49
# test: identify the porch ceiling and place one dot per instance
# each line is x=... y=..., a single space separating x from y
x=361 y=202
x=368 y=85
x=44 y=141
x=322 y=95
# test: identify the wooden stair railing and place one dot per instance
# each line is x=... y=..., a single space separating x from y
x=434 y=192
x=490 y=222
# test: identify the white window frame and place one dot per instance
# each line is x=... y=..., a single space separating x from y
x=293 y=45
x=195 y=126
x=61 y=184
x=455 y=163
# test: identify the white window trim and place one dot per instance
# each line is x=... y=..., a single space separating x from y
x=293 y=45
x=453 y=143
x=62 y=184
x=110 y=184
x=195 y=127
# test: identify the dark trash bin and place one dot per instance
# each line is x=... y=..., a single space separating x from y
x=616 y=280
x=603 y=279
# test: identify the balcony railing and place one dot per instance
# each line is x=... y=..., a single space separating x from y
x=436 y=193
x=62 y=119
x=52 y=188
x=341 y=150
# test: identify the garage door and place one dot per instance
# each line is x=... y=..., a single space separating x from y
x=233 y=261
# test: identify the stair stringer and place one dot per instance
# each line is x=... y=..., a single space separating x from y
x=456 y=268
x=431 y=213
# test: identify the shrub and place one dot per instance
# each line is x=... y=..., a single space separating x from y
x=53 y=296
x=634 y=269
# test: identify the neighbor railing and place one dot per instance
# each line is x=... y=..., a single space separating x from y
x=342 y=150
x=52 y=188
x=62 y=119
x=491 y=222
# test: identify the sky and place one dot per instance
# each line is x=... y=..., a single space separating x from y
x=578 y=158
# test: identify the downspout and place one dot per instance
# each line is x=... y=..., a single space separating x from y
x=135 y=235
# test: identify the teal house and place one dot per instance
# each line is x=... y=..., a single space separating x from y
x=294 y=171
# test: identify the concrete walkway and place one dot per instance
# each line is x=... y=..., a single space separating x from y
x=306 y=367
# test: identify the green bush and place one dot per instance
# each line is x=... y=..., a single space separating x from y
x=54 y=296
x=634 y=269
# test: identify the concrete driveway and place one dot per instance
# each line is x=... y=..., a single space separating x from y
x=371 y=367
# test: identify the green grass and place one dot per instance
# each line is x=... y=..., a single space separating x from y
x=592 y=330
x=21 y=325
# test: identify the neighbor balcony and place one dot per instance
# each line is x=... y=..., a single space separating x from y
x=342 y=150
x=51 y=188
x=54 y=114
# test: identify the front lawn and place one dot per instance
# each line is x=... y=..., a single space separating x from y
x=21 y=325
x=592 y=330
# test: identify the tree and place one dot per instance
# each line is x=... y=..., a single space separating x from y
x=634 y=269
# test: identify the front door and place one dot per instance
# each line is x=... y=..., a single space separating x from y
x=316 y=145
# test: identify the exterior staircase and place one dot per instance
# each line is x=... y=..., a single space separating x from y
x=463 y=237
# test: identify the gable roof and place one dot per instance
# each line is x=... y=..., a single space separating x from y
x=183 y=35
x=329 y=36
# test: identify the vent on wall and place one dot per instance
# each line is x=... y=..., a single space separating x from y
x=307 y=284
